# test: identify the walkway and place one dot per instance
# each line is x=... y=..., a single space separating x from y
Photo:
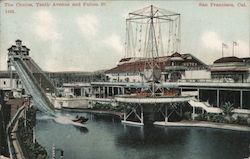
x=203 y=124
x=13 y=143
x=148 y=100
x=205 y=106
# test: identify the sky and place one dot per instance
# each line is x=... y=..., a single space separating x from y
x=90 y=38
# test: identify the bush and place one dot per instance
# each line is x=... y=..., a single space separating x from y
x=248 y=121
x=201 y=117
x=188 y=115
x=218 y=118
x=25 y=135
x=241 y=120
x=101 y=106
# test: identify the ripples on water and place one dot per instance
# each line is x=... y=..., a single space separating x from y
x=105 y=137
x=65 y=119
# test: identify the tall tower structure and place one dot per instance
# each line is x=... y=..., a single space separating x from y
x=17 y=50
x=152 y=32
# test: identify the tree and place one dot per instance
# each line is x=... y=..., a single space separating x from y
x=227 y=110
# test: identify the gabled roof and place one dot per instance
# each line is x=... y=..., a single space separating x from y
x=190 y=58
x=176 y=54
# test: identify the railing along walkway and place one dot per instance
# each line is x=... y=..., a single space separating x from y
x=15 y=149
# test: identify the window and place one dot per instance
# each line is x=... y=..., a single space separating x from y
x=4 y=82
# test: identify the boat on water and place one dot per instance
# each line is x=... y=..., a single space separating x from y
x=80 y=119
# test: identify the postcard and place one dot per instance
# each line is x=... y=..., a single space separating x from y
x=123 y=79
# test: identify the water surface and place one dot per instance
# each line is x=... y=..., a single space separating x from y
x=106 y=137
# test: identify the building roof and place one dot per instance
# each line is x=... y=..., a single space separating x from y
x=128 y=67
x=125 y=59
x=229 y=69
x=176 y=54
x=230 y=64
x=246 y=60
x=135 y=65
x=228 y=59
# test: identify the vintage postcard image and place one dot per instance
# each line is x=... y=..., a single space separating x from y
x=123 y=79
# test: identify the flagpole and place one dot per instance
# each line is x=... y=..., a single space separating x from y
x=222 y=50
x=233 y=48
x=223 y=46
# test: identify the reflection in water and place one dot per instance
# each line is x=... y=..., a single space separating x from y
x=103 y=117
x=105 y=137
x=82 y=129
x=152 y=142
x=151 y=135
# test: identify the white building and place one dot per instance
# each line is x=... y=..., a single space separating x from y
x=11 y=84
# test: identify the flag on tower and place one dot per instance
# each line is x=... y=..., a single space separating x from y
x=235 y=43
x=222 y=48
x=224 y=45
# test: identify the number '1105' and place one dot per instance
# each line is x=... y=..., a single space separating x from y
x=9 y=11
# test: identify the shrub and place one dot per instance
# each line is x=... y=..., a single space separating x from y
x=201 y=117
x=25 y=135
x=218 y=118
x=102 y=106
x=209 y=117
x=248 y=121
x=188 y=115
x=241 y=120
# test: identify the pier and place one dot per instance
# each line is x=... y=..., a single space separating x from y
x=137 y=106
